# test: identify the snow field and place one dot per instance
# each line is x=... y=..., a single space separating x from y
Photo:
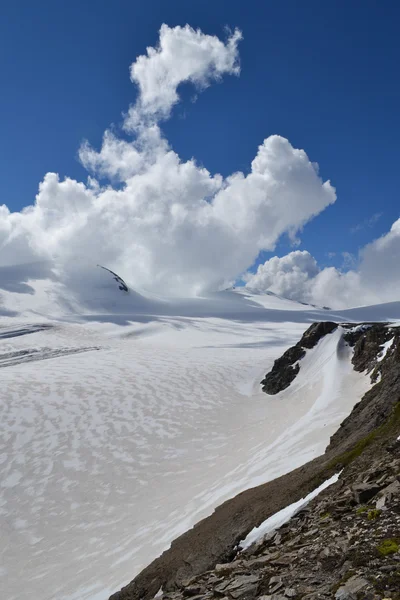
x=123 y=429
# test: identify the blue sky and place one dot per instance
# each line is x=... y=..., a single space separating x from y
x=324 y=75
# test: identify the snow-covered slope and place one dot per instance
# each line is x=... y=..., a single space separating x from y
x=127 y=417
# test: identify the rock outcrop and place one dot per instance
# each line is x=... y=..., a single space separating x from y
x=287 y=366
x=372 y=354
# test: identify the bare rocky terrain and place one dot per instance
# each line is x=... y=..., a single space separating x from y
x=344 y=544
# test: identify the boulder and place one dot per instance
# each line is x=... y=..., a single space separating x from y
x=244 y=585
x=386 y=495
x=351 y=588
x=364 y=492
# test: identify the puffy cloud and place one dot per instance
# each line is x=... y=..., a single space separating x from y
x=162 y=223
x=379 y=267
x=288 y=276
x=375 y=279
x=182 y=55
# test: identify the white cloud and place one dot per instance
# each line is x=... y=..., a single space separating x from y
x=162 y=223
x=374 y=280
x=288 y=276
x=182 y=55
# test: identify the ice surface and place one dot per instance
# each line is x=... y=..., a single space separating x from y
x=127 y=418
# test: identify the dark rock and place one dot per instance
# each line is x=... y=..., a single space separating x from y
x=363 y=492
x=368 y=345
x=394 y=447
x=283 y=372
x=315 y=332
x=193 y=590
x=286 y=367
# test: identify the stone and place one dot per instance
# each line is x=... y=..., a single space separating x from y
x=228 y=567
x=290 y=592
x=192 y=590
x=220 y=588
x=275 y=579
x=325 y=553
x=275 y=588
x=244 y=585
x=351 y=588
x=294 y=541
x=342 y=545
x=381 y=479
x=249 y=590
x=380 y=504
x=387 y=494
x=257 y=562
x=388 y=568
x=364 y=492
x=275 y=584
x=310 y=533
x=271 y=555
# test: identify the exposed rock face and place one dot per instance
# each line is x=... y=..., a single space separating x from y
x=286 y=367
x=334 y=548
x=379 y=401
x=367 y=340
x=316 y=332
x=121 y=283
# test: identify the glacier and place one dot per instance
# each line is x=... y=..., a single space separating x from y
x=126 y=417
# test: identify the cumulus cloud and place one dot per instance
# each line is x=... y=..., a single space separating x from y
x=182 y=55
x=160 y=222
x=373 y=278
x=287 y=276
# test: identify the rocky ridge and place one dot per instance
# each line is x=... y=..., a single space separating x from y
x=287 y=366
x=344 y=545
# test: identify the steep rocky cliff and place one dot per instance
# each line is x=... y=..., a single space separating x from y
x=346 y=543
x=287 y=366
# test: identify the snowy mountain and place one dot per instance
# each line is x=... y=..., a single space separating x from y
x=127 y=417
